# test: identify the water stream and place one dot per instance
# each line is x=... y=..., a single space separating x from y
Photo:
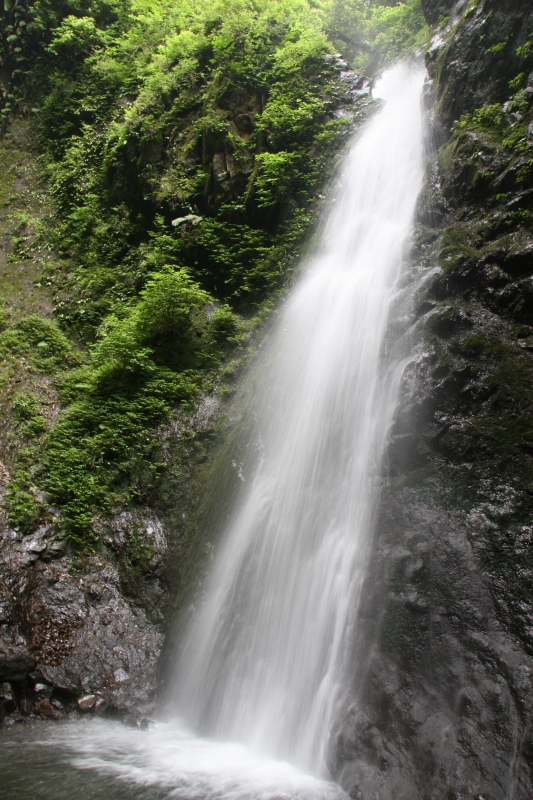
x=264 y=657
x=262 y=667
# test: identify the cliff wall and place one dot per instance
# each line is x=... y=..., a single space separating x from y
x=442 y=703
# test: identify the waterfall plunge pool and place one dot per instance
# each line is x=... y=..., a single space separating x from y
x=105 y=760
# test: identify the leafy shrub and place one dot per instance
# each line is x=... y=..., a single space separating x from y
x=169 y=303
x=41 y=341
x=74 y=38
x=486 y=118
x=100 y=451
x=276 y=177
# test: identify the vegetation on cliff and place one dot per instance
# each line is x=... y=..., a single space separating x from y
x=183 y=149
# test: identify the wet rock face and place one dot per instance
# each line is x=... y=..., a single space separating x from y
x=434 y=10
x=81 y=634
x=15 y=662
x=445 y=703
x=474 y=54
x=441 y=700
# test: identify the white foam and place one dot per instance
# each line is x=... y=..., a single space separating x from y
x=169 y=757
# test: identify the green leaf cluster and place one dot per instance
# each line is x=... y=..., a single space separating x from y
x=100 y=450
x=41 y=341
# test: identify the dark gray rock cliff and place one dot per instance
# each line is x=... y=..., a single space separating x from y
x=441 y=702
x=474 y=52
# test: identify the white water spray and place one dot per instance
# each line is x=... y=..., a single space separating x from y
x=263 y=661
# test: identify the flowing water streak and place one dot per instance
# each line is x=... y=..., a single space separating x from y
x=263 y=660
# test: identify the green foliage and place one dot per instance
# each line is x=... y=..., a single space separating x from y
x=23 y=507
x=526 y=49
x=521 y=215
x=488 y=118
x=276 y=177
x=525 y=172
x=219 y=114
x=28 y=416
x=125 y=110
x=287 y=119
x=497 y=48
x=505 y=134
x=374 y=35
x=227 y=256
x=396 y=32
x=74 y=39
x=136 y=99
x=101 y=450
x=517 y=83
x=31 y=31
x=169 y=301
x=39 y=340
x=4 y=318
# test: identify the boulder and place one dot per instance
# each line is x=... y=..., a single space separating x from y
x=7 y=697
x=86 y=702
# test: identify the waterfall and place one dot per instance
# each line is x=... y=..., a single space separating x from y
x=263 y=662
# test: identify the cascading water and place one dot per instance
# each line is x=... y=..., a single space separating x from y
x=263 y=659
x=262 y=667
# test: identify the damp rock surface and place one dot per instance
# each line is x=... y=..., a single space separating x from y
x=473 y=56
x=79 y=633
x=444 y=697
x=441 y=698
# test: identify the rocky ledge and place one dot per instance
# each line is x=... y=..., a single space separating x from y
x=82 y=634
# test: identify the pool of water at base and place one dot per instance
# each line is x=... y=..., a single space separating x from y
x=105 y=760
